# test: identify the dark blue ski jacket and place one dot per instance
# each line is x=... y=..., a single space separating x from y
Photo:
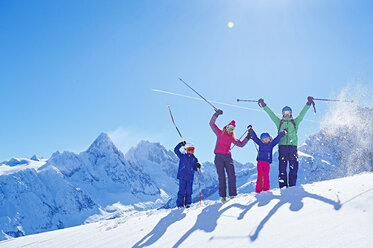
x=265 y=150
x=187 y=165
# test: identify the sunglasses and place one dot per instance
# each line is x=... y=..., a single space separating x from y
x=287 y=112
x=230 y=128
x=266 y=140
x=190 y=149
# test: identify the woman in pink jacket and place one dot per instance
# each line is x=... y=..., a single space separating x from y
x=223 y=159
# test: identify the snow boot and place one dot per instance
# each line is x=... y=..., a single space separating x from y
x=223 y=199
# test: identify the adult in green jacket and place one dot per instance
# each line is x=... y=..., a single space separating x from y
x=288 y=144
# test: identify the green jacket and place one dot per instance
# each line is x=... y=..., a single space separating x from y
x=292 y=137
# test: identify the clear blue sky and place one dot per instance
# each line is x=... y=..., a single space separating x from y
x=73 y=69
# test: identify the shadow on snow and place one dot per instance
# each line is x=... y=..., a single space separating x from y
x=161 y=228
x=207 y=219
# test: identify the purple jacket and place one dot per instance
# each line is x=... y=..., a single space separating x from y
x=224 y=141
x=187 y=165
x=265 y=150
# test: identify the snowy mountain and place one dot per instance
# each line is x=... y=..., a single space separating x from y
x=71 y=189
x=34 y=200
x=334 y=213
x=100 y=183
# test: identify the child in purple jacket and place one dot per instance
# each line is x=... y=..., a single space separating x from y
x=264 y=157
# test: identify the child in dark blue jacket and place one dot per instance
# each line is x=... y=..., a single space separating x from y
x=187 y=165
x=264 y=157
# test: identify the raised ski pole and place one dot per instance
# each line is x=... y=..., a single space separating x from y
x=198 y=94
x=331 y=100
x=243 y=100
x=182 y=139
x=199 y=185
x=327 y=100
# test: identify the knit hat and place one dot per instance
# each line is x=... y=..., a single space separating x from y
x=232 y=123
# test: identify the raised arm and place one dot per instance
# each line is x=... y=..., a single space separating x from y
x=177 y=149
x=254 y=137
x=213 y=126
x=278 y=138
x=302 y=114
x=272 y=115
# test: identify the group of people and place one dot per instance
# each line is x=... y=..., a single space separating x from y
x=286 y=138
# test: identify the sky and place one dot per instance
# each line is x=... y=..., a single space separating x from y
x=70 y=70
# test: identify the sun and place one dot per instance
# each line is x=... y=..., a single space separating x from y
x=230 y=24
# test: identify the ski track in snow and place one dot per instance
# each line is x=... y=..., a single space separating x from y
x=334 y=213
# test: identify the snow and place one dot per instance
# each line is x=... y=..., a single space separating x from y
x=334 y=213
x=18 y=164
x=304 y=155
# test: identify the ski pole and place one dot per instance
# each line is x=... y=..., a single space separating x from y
x=198 y=94
x=242 y=100
x=255 y=146
x=199 y=185
x=289 y=139
x=327 y=100
x=238 y=139
x=182 y=139
x=331 y=100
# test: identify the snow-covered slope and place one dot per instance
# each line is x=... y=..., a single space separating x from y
x=335 y=213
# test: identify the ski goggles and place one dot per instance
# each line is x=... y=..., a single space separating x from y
x=286 y=113
x=190 y=149
x=230 y=128
x=266 y=140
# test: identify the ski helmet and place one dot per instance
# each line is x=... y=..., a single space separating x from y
x=265 y=135
x=189 y=145
x=286 y=108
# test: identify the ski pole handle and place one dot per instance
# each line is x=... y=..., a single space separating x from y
x=239 y=138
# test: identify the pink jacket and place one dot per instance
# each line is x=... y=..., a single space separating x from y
x=224 y=141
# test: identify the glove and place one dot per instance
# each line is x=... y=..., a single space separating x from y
x=218 y=112
x=249 y=128
x=284 y=132
x=309 y=100
x=182 y=143
x=261 y=103
x=198 y=165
